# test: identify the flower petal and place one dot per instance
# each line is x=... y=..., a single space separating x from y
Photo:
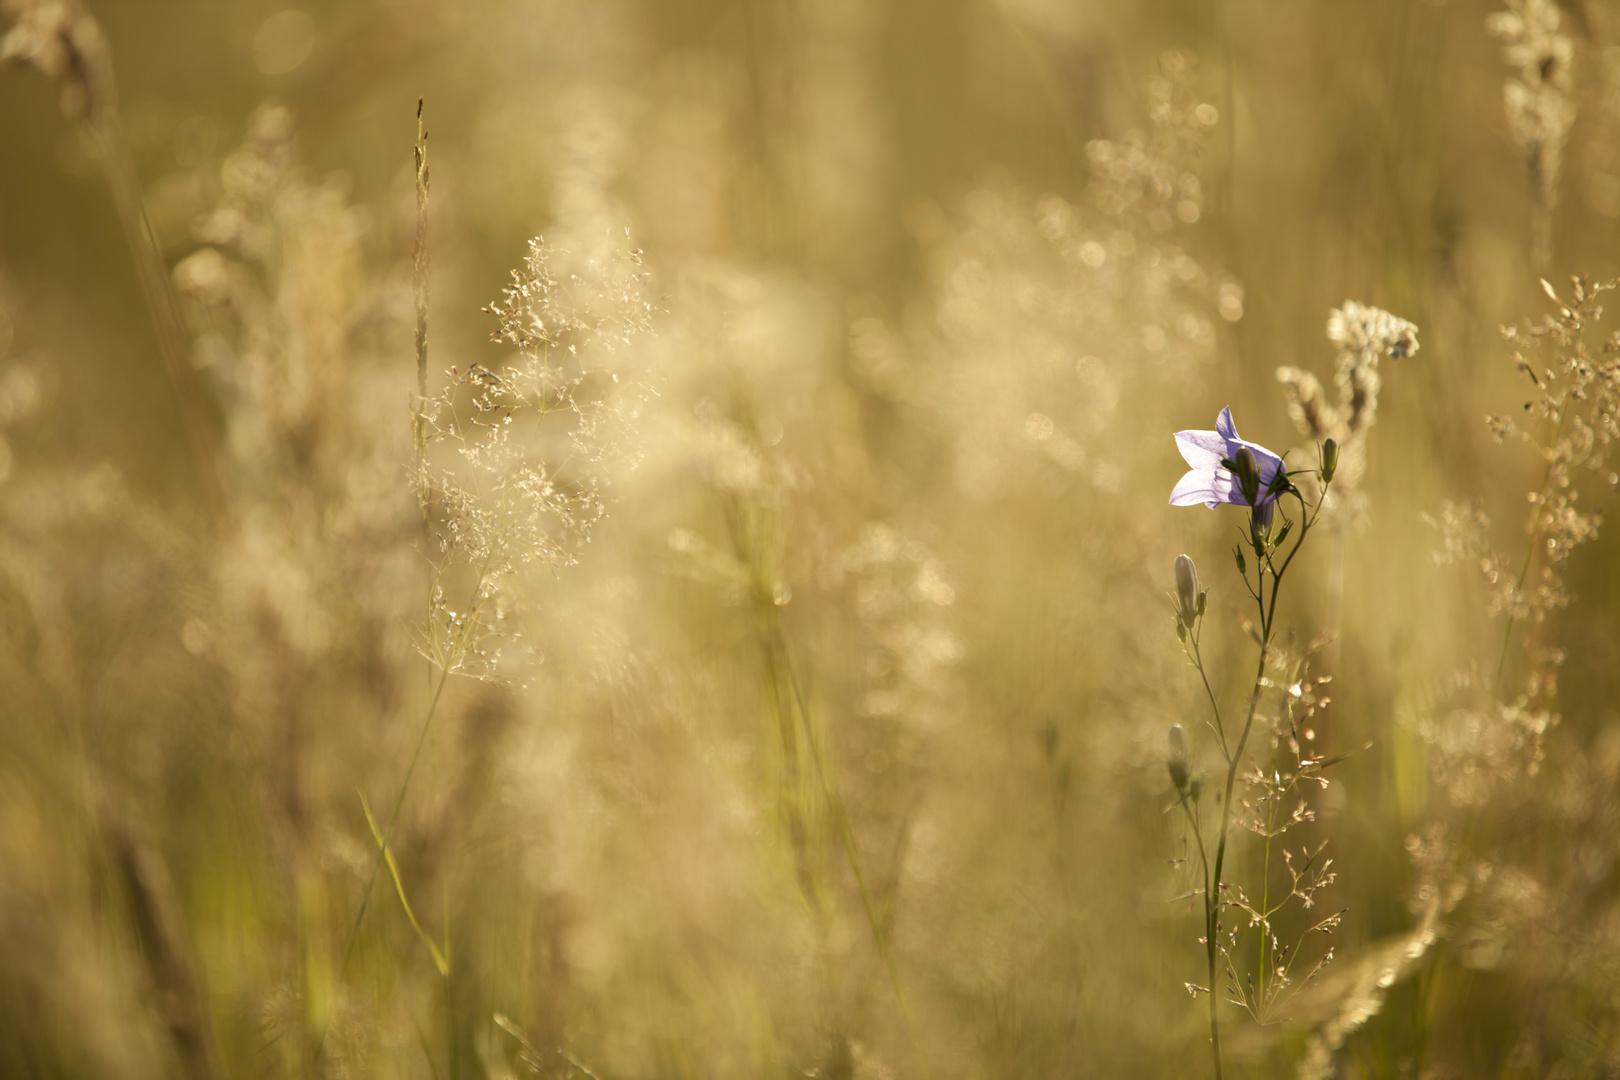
x=1201 y=449
x=1224 y=427
x=1208 y=486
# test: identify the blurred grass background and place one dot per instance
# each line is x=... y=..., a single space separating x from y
x=885 y=593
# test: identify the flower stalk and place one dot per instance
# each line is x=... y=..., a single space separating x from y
x=1253 y=477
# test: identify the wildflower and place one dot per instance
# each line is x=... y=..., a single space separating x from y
x=1226 y=469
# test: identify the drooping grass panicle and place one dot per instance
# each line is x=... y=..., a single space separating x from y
x=1569 y=420
x=1540 y=101
x=1485 y=729
x=64 y=41
x=1365 y=335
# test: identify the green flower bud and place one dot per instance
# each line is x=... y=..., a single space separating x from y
x=1330 y=459
x=1243 y=567
x=1186 y=590
x=1248 y=474
x=1179 y=769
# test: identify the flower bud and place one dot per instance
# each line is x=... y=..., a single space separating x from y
x=1179 y=771
x=1243 y=567
x=1186 y=589
x=1330 y=459
x=1247 y=473
x=1260 y=518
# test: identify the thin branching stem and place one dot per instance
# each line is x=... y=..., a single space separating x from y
x=1214 y=886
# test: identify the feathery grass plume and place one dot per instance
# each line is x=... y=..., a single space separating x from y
x=1483 y=736
x=1364 y=335
x=64 y=42
x=1572 y=420
x=536 y=442
x=511 y=468
x=1224 y=468
x=1570 y=423
x=1540 y=102
x=299 y=336
x=293 y=332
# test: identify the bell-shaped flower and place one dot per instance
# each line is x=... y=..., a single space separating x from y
x=1212 y=457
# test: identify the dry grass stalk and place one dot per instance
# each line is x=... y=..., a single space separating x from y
x=63 y=41
x=160 y=931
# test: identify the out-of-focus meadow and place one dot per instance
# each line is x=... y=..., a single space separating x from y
x=735 y=636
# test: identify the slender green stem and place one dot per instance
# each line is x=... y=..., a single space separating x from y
x=1529 y=548
x=1187 y=807
x=393 y=814
x=1196 y=655
x=1209 y=932
x=779 y=654
x=1518 y=588
x=846 y=834
x=1212 y=919
x=450 y=1027
x=1265 y=901
x=458 y=641
x=382 y=849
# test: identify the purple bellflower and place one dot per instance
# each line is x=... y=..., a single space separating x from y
x=1212 y=457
